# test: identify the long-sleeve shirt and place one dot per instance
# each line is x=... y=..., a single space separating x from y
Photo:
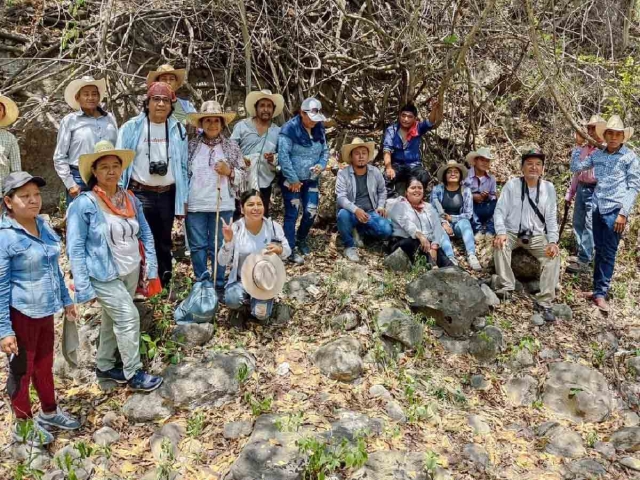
x=618 y=176
x=346 y=188
x=252 y=143
x=9 y=155
x=437 y=194
x=297 y=154
x=485 y=183
x=405 y=152
x=514 y=213
x=407 y=221
x=585 y=176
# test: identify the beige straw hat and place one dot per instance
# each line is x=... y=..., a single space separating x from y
x=210 y=108
x=255 y=97
x=345 y=151
x=451 y=164
x=615 y=123
x=484 y=152
x=76 y=85
x=11 y=111
x=263 y=276
x=153 y=75
x=103 y=148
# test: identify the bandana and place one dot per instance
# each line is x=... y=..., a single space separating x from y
x=120 y=204
x=413 y=131
x=159 y=88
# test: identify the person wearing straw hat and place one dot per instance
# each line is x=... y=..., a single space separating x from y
x=257 y=136
x=483 y=191
x=254 y=247
x=175 y=79
x=215 y=165
x=158 y=173
x=105 y=227
x=9 y=149
x=454 y=203
x=80 y=130
x=617 y=172
x=361 y=194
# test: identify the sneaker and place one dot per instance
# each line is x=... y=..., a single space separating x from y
x=31 y=433
x=474 y=263
x=504 y=294
x=303 y=248
x=144 y=382
x=352 y=254
x=357 y=239
x=296 y=258
x=60 y=419
x=115 y=374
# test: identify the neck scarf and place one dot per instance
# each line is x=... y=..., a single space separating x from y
x=211 y=142
x=120 y=204
x=419 y=207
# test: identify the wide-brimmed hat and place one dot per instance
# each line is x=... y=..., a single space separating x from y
x=451 y=164
x=153 y=75
x=615 y=123
x=263 y=276
x=254 y=97
x=18 y=179
x=74 y=87
x=313 y=108
x=11 y=111
x=103 y=148
x=484 y=152
x=595 y=120
x=345 y=151
x=210 y=108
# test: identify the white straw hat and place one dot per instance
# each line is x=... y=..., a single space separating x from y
x=263 y=276
x=103 y=148
x=76 y=85
x=346 y=150
x=451 y=164
x=484 y=152
x=210 y=108
x=254 y=97
x=615 y=123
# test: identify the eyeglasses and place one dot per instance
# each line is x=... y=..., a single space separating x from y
x=315 y=111
x=159 y=99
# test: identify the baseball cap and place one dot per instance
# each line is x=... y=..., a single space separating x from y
x=533 y=152
x=312 y=107
x=19 y=179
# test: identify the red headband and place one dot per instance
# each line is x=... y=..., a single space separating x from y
x=159 y=88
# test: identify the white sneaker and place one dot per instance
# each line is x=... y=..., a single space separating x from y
x=356 y=238
x=474 y=263
x=352 y=254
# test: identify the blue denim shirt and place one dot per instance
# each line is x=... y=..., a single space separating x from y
x=88 y=247
x=402 y=154
x=437 y=194
x=296 y=159
x=31 y=280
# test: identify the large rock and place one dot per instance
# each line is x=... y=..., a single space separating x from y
x=398 y=261
x=164 y=442
x=237 y=429
x=524 y=265
x=350 y=425
x=193 y=334
x=397 y=325
x=105 y=436
x=37 y=457
x=344 y=321
x=626 y=439
x=577 y=392
x=340 y=359
x=393 y=465
x=146 y=407
x=453 y=297
x=477 y=455
x=487 y=344
x=521 y=391
x=561 y=441
x=492 y=298
x=585 y=469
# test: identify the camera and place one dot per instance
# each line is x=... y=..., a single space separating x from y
x=525 y=236
x=158 y=168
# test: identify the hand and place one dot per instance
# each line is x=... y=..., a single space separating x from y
x=227 y=231
x=74 y=191
x=222 y=169
x=382 y=212
x=270 y=157
x=425 y=245
x=435 y=246
x=361 y=215
x=71 y=312
x=295 y=187
x=9 y=345
x=580 y=140
x=619 y=224
x=436 y=114
x=391 y=173
x=485 y=196
x=247 y=161
x=500 y=241
x=552 y=250
x=447 y=217
x=273 y=249
x=478 y=198
x=448 y=229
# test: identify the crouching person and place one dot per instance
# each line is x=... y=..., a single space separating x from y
x=526 y=217
x=253 y=246
x=361 y=195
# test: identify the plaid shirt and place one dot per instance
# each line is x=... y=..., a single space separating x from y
x=9 y=155
x=618 y=176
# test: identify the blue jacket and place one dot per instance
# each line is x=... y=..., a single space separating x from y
x=128 y=138
x=401 y=154
x=298 y=153
x=88 y=247
x=437 y=195
x=31 y=280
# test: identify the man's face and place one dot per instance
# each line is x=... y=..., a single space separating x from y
x=160 y=106
x=482 y=164
x=88 y=97
x=614 y=139
x=360 y=157
x=593 y=133
x=407 y=119
x=170 y=79
x=532 y=168
x=2 y=112
x=264 y=110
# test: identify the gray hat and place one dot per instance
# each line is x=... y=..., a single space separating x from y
x=19 y=179
x=312 y=107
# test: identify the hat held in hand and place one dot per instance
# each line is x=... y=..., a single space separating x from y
x=263 y=276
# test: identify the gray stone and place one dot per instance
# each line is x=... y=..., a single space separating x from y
x=344 y=321
x=166 y=438
x=37 y=457
x=238 y=429
x=631 y=391
x=105 y=436
x=524 y=265
x=491 y=298
x=449 y=295
x=193 y=334
x=378 y=391
x=395 y=412
x=395 y=465
x=340 y=359
x=156 y=473
x=350 y=425
x=626 y=439
x=561 y=441
x=398 y=261
x=521 y=358
x=532 y=287
x=630 y=462
x=479 y=323
x=297 y=288
x=549 y=354
x=562 y=312
x=487 y=344
x=83 y=468
x=479 y=383
x=397 y=325
x=633 y=367
x=477 y=455
x=110 y=419
x=606 y=449
x=537 y=320
x=282 y=314
x=146 y=407
x=586 y=469
x=631 y=418
x=453 y=345
x=521 y=391
x=609 y=342
x=634 y=334
x=478 y=425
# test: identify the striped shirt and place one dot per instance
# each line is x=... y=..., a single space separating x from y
x=9 y=155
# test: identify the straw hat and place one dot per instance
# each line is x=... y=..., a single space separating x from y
x=74 y=87
x=11 y=111
x=345 y=151
x=451 y=164
x=263 y=276
x=153 y=75
x=595 y=120
x=614 y=123
x=255 y=97
x=210 y=108
x=102 y=149
x=484 y=152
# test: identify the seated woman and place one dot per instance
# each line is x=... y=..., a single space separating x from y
x=454 y=203
x=104 y=228
x=416 y=227
x=32 y=289
x=253 y=233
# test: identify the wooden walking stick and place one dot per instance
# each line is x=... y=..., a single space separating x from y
x=215 y=260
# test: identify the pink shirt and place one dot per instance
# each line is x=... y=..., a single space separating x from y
x=586 y=176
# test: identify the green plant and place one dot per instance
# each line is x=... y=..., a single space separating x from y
x=62 y=204
x=167 y=460
x=242 y=375
x=598 y=354
x=592 y=438
x=530 y=343
x=537 y=405
x=289 y=423
x=84 y=449
x=258 y=407
x=325 y=458
x=431 y=462
x=68 y=465
x=574 y=391
x=195 y=423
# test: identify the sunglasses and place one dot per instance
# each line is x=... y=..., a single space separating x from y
x=315 y=111
x=160 y=99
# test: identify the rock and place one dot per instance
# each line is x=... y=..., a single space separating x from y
x=609 y=342
x=350 y=425
x=345 y=321
x=146 y=312
x=394 y=465
x=398 y=261
x=561 y=441
x=282 y=314
x=478 y=425
x=37 y=457
x=105 y=436
x=238 y=429
x=577 y=392
x=283 y=369
x=82 y=468
x=631 y=391
x=479 y=323
x=193 y=334
x=532 y=287
x=521 y=358
x=631 y=418
x=634 y=334
x=301 y=288
x=340 y=359
x=164 y=442
x=156 y=473
x=397 y=325
x=525 y=266
x=477 y=455
x=537 y=320
x=606 y=449
x=633 y=367
x=486 y=345
x=549 y=354
x=378 y=391
x=491 y=298
x=521 y=391
x=630 y=462
x=562 y=312
x=479 y=383
x=146 y=407
x=626 y=439
x=586 y=469
x=455 y=346
x=110 y=419
x=395 y=412
x=449 y=295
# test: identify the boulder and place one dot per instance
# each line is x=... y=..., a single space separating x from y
x=630 y=462
x=627 y=439
x=537 y=320
x=521 y=358
x=524 y=265
x=105 y=436
x=491 y=297
x=562 y=311
x=350 y=425
x=585 y=469
x=395 y=411
x=606 y=449
x=340 y=359
x=301 y=288
x=478 y=425
x=631 y=418
x=561 y=441
x=146 y=407
x=454 y=345
x=397 y=325
x=479 y=323
x=398 y=261
x=449 y=295
x=164 y=442
x=487 y=344
x=193 y=334
x=521 y=391
x=344 y=321
x=379 y=391
x=477 y=455
x=478 y=382
x=238 y=429
x=393 y=465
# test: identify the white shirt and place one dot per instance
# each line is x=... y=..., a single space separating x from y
x=158 y=143
x=122 y=235
x=203 y=188
x=250 y=243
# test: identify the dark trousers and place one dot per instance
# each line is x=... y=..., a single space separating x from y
x=75 y=173
x=606 y=243
x=265 y=193
x=159 y=210
x=398 y=185
x=33 y=364
x=483 y=216
x=411 y=246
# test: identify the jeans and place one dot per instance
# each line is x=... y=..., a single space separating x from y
x=398 y=185
x=236 y=297
x=75 y=173
x=411 y=246
x=307 y=199
x=462 y=229
x=483 y=216
x=583 y=222
x=201 y=231
x=606 y=243
x=377 y=227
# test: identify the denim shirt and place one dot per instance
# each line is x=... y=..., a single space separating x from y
x=437 y=194
x=295 y=159
x=88 y=247
x=31 y=280
x=402 y=154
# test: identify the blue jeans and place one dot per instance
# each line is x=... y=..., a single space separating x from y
x=236 y=297
x=377 y=227
x=606 y=243
x=483 y=216
x=583 y=222
x=307 y=199
x=75 y=173
x=201 y=230
x=462 y=229
x=446 y=247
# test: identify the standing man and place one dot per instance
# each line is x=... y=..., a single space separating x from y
x=402 y=142
x=258 y=140
x=158 y=173
x=582 y=187
x=9 y=149
x=81 y=130
x=617 y=171
x=175 y=79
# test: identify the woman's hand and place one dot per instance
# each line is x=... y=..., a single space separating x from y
x=447 y=228
x=227 y=230
x=273 y=249
x=71 y=312
x=222 y=168
x=425 y=244
x=9 y=345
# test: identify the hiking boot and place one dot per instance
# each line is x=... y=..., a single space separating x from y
x=578 y=268
x=60 y=419
x=31 y=433
x=474 y=263
x=504 y=294
x=296 y=258
x=352 y=254
x=602 y=304
x=357 y=240
x=144 y=382
x=115 y=374
x=303 y=248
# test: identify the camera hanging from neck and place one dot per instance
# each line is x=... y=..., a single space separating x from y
x=166 y=136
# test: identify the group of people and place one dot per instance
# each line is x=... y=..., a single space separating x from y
x=127 y=184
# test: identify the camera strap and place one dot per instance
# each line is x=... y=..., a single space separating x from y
x=166 y=136
x=534 y=206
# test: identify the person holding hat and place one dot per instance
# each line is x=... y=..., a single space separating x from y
x=105 y=227
x=483 y=191
x=32 y=290
x=175 y=79
x=526 y=217
x=257 y=136
x=215 y=165
x=254 y=246
x=81 y=130
x=158 y=173
x=9 y=149
x=303 y=154
x=454 y=203
x=361 y=195
x=617 y=172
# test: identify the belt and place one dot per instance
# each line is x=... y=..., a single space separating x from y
x=149 y=188
x=588 y=185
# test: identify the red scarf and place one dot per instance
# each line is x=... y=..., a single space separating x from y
x=122 y=206
x=413 y=131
